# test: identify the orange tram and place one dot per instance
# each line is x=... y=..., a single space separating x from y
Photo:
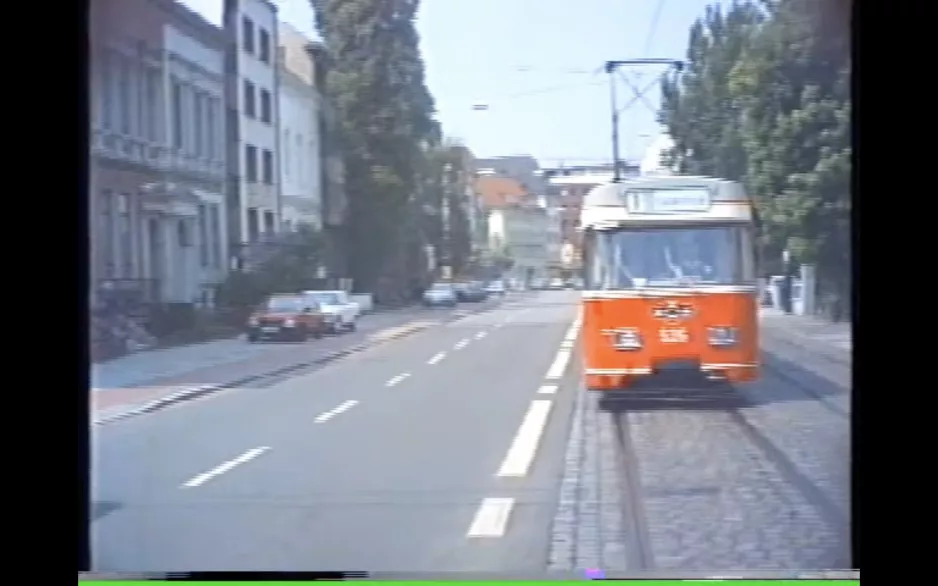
x=670 y=280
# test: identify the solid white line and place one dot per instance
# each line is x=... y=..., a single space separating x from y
x=481 y=335
x=547 y=389
x=461 y=344
x=567 y=344
x=559 y=366
x=397 y=379
x=524 y=447
x=491 y=518
x=437 y=357
x=225 y=467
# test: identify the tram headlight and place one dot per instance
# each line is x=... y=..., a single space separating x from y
x=627 y=339
x=722 y=336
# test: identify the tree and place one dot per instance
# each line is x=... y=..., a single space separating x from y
x=292 y=268
x=766 y=100
x=385 y=112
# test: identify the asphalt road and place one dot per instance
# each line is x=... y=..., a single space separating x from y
x=435 y=452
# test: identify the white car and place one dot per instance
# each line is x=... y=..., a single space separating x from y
x=340 y=313
x=495 y=288
x=440 y=294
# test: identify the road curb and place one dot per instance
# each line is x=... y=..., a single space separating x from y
x=196 y=392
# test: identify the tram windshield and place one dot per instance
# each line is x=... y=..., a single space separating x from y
x=633 y=258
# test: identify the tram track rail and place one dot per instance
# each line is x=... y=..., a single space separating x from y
x=714 y=398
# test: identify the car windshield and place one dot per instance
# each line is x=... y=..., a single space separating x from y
x=668 y=257
x=284 y=304
x=326 y=298
x=441 y=287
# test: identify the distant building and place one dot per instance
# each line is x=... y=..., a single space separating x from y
x=653 y=160
x=568 y=186
x=518 y=226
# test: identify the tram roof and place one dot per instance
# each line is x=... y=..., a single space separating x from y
x=611 y=194
x=605 y=205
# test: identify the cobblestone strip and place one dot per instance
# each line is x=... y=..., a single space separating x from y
x=588 y=526
x=716 y=502
x=562 y=553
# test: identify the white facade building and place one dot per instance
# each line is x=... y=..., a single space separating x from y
x=253 y=135
x=158 y=150
x=300 y=156
x=190 y=250
x=522 y=232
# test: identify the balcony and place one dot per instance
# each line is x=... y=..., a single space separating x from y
x=261 y=195
x=183 y=162
x=115 y=146
x=170 y=199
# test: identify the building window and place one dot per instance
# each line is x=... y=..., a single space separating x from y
x=125 y=95
x=215 y=231
x=286 y=154
x=198 y=122
x=250 y=163
x=106 y=85
x=253 y=226
x=177 y=115
x=125 y=237
x=210 y=127
x=203 y=235
x=247 y=34
x=106 y=242
x=303 y=170
x=250 y=100
x=264 y=39
x=268 y=167
x=269 y=222
x=153 y=94
x=266 y=107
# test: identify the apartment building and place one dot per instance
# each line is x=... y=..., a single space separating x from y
x=300 y=156
x=157 y=150
x=518 y=226
x=252 y=73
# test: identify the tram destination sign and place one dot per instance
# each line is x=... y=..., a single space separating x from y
x=668 y=201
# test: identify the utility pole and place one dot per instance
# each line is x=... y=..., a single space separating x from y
x=611 y=67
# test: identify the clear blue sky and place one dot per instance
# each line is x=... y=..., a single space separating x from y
x=534 y=63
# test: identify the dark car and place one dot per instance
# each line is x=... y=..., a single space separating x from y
x=473 y=292
x=286 y=317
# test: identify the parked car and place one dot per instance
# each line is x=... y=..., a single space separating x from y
x=472 y=292
x=286 y=317
x=440 y=294
x=556 y=284
x=496 y=287
x=340 y=313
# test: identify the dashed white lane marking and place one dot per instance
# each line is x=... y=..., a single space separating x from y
x=437 y=357
x=225 y=467
x=461 y=344
x=323 y=417
x=397 y=379
x=524 y=447
x=492 y=518
x=547 y=389
x=481 y=335
x=567 y=344
x=559 y=366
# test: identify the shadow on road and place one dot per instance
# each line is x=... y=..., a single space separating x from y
x=673 y=391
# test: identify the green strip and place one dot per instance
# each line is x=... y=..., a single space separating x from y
x=509 y=583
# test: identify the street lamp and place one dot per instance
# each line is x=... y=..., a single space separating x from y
x=611 y=67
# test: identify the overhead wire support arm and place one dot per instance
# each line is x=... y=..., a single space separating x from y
x=611 y=67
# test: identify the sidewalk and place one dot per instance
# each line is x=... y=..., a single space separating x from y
x=809 y=330
x=807 y=347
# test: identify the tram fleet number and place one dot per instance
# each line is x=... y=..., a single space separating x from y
x=673 y=335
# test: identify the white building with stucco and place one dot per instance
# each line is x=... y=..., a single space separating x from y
x=300 y=156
